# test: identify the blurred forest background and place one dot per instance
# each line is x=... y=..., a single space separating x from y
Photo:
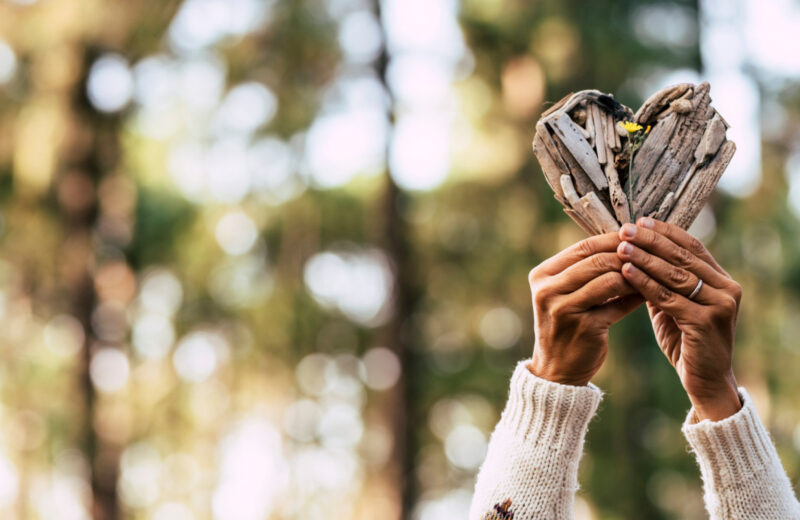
x=266 y=259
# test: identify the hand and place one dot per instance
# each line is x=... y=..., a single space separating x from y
x=664 y=262
x=577 y=295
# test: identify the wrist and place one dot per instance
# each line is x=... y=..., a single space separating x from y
x=548 y=373
x=719 y=405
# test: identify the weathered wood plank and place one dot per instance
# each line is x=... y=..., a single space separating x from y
x=551 y=147
x=599 y=214
x=568 y=189
x=658 y=102
x=665 y=207
x=571 y=136
x=550 y=169
x=700 y=187
x=711 y=141
x=611 y=134
x=578 y=219
x=619 y=201
x=600 y=132
x=582 y=181
x=590 y=127
x=575 y=202
x=654 y=179
x=685 y=181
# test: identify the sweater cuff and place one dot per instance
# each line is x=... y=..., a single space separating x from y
x=734 y=448
x=548 y=412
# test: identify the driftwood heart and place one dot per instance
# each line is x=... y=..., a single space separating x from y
x=585 y=155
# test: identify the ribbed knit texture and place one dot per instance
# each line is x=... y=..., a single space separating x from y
x=534 y=452
x=743 y=478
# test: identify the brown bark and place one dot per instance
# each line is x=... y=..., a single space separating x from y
x=90 y=162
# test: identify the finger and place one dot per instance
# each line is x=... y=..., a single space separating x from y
x=577 y=275
x=679 y=307
x=672 y=277
x=661 y=246
x=598 y=291
x=682 y=238
x=614 y=311
x=606 y=243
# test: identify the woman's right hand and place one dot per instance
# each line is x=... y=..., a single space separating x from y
x=664 y=263
x=577 y=295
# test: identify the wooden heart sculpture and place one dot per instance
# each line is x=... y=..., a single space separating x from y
x=679 y=154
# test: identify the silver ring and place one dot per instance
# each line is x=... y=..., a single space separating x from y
x=696 y=289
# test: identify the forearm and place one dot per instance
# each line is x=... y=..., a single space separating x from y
x=534 y=451
x=742 y=475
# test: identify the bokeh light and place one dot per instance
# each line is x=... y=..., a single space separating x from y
x=110 y=85
x=8 y=62
x=109 y=369
x=357 y=284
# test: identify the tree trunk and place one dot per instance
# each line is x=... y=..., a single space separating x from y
x=84 y=166
x=400 y=335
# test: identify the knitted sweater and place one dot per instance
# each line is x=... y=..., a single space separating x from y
x=531 y=467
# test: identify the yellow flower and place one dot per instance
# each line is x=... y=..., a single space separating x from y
x=647 y=130
x=630 y=126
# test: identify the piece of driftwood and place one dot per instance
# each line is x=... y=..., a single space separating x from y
x=579 y=148
x=574 y=215
x=589 y=208
x=700 y=187
x=552 y=172
x=582 y=181
x=584 y=155
x=619 y=201
x=598 y=213
x=578 y=214
x=667 y=154
x=600 y=142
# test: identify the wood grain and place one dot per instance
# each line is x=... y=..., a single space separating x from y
x=579 y=147
x=700 y=187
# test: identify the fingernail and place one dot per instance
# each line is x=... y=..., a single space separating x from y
x=628 y=230
x=629 y=267
x=646 y=222
x=626 y=248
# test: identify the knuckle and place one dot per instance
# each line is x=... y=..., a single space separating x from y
x=599 y=262
x=613 y=281
x=678 y=276
x=724 y=310
x=695 y=246
x=540 y=297
x=558 y=308
x=729 y=306
x=533 y=275
x=736 y=291
x=542 y=294
x=585 y=247
x=645 y=260
x=650 y=238
x=664 y=295
x=683 y=257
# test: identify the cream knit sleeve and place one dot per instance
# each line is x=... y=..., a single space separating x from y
x=743 y=477
x=531 y=467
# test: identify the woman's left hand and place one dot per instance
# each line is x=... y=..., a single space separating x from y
x=665 y=263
